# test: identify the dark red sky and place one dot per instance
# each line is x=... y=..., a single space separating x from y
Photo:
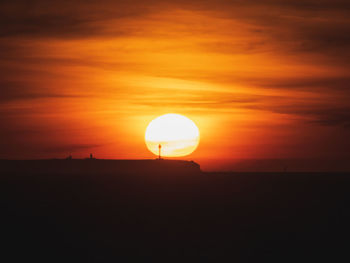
x=264 y=79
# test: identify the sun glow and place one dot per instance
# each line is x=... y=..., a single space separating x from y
x=177 y=135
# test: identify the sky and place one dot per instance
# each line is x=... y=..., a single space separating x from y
x=262 y=79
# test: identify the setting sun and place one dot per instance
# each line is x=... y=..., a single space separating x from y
x=176 y=134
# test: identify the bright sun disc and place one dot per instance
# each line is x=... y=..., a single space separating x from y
x=177 y=135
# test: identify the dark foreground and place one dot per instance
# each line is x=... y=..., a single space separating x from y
x=175 y=218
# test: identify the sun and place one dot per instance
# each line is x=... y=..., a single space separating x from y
x=176 y=134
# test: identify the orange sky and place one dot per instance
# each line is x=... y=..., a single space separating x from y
x=264 y=80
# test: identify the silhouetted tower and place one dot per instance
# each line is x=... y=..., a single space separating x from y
x=159 y=148
x=90 y=155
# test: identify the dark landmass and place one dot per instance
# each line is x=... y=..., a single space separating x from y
x=173 y=216
x=97 y=166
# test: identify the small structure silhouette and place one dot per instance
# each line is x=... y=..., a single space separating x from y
x=159 y=148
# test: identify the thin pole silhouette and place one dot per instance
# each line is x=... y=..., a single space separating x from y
x=159 y=148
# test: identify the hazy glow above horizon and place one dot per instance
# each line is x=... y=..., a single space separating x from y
x=177 y=135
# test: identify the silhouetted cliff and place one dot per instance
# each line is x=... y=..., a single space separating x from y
x=97 y=166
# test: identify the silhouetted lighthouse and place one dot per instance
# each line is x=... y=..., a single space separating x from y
x=159 y=148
